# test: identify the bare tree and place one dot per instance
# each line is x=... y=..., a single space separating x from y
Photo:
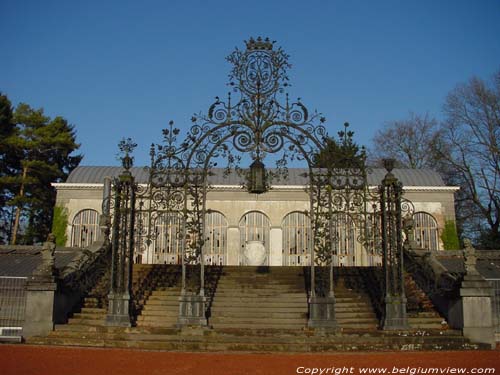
x=469 y=148
x=409 y=141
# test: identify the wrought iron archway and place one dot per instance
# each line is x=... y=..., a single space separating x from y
x=260 y=121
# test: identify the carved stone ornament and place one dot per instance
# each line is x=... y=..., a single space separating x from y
x=255 y=253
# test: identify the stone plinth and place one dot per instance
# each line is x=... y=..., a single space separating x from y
x=39 y=315
x=322 y=312
x=118 y=310
x=395 y=317
x=477 y=311
x=192 y=310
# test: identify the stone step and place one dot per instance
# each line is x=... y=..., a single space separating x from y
x=160 y=307
x=158 y=313
x=86 y=321
x=93 y=310
x=91 y=316
x=257 y=291
x=243 y=303
x=429 y=314
x=215 y=337
x=356 y=321
x=78 y=327
x=259 y=321
x=355 y=315
x=356 y=308
x=158 y=324
x=163 y=289
x=206 y=345
x=421 y=325
x=264 y=309
x=160 y=319
x=260 y=282
x=260 y=315
x=162 y=301
x=248 y=326
x=163 y=298
x=294 y=296
x=428 y=319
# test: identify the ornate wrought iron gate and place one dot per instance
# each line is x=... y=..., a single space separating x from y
x=165 y=218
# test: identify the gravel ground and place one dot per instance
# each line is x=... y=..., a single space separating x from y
x=52 y=360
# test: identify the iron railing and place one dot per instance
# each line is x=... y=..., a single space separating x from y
x=12 y=305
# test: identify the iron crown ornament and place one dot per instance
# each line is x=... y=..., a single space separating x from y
x=257 y=118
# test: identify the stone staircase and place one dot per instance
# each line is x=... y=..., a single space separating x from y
x=161 y=309
x=253 y=309
x=160 y=291
x=353 y=308
x=260 y=298
x=422 y=313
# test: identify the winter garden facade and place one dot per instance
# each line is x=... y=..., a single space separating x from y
x=278 y=218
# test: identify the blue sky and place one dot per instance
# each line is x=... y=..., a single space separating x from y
x=125 y=68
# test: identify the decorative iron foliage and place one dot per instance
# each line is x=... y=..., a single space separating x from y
x=257 y=119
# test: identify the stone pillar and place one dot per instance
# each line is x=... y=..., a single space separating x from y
x=276 y=247
x=40 y=292
x=233 y=246
x=476 y=294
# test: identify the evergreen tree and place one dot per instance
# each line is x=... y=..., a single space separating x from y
x=44 y=147
x=342 y=153
x=9 y=166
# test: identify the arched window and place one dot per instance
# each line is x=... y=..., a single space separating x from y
x=297 y=238
x=426 y=231
x=85 y=229
x=167 y=242
x=215 y=238
x=254 y=226
x=344 y=239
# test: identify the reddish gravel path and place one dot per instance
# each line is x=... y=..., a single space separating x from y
x=45 y=360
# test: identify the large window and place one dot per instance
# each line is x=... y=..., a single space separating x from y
x=254 y=226
x=297 y=239
x=426 y=231
x=85 y=229
x=216 y=238
x=344 y=240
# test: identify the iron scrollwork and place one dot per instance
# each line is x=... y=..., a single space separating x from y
x=256 y=119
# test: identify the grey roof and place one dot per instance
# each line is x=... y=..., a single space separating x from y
x=409 y=177
x=21 y=261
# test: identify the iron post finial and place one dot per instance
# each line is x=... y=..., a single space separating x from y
x=389 y=164
x=127 y=146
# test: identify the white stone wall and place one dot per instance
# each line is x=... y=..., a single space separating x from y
x=234 y=203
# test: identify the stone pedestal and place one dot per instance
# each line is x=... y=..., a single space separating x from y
x=477 y=311
x=118 y=310
x=322 y=312
x=395 y=317
x=192 y=311
x=39 y=314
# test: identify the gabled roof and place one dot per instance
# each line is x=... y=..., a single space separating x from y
x=296 y=176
